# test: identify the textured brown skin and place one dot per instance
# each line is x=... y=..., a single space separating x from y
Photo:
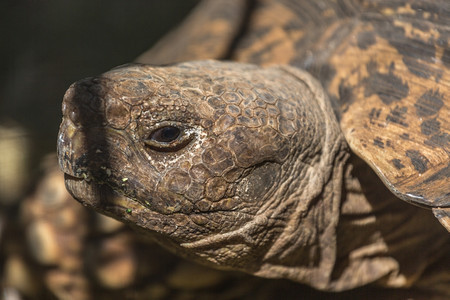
x=198 y=203
x=230 y=192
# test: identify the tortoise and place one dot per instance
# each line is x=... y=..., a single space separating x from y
x=252 y=164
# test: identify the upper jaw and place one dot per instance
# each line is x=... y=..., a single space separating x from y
x=64 y=148
x=98 y=196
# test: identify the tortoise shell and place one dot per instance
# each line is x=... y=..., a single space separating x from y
x=385 y=65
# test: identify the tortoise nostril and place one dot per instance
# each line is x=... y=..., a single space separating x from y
x=74 y=115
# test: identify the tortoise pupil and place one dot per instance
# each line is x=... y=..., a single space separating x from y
x=166 y=134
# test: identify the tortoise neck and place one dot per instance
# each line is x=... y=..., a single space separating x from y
x=306 y=249
x=385 y=234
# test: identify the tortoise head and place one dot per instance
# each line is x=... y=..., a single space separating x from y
x=217 y=161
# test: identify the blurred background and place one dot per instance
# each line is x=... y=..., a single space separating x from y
x=48 y=44
x=45 y=45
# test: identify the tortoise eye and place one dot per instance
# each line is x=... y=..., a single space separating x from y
x=165 y=134
x=168 y=138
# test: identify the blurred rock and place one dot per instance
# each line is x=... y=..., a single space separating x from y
x=14 y=158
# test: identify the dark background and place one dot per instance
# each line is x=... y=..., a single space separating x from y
x=48 y=44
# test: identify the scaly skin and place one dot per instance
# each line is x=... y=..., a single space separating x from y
x=253 y=159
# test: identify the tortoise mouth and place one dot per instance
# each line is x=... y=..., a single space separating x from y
x=93 y=194
x=73 y=177
x=105 y=200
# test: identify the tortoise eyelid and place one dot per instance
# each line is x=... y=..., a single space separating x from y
x=168 y=137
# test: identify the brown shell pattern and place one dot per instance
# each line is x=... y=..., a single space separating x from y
x=386 y=67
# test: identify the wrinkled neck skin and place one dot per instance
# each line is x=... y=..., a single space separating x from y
x=309 y=203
